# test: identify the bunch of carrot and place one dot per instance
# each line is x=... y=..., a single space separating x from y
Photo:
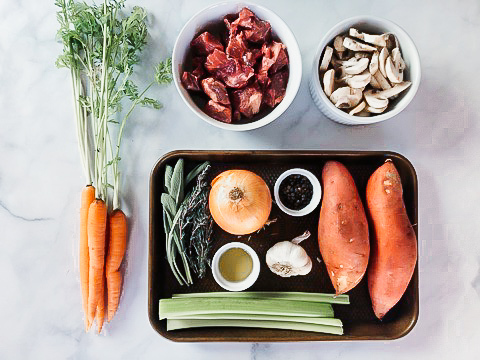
x=101 y=46
x=96 y=269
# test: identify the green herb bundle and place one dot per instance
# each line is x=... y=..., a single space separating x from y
x=175 y=205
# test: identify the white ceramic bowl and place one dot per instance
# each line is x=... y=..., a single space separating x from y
x=369 y=24
x=316 y=197
x=237 y=285
x=215 y=13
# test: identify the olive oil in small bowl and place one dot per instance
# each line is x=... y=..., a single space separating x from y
x=235 y=266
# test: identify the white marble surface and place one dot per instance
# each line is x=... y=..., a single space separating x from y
x=41 y=178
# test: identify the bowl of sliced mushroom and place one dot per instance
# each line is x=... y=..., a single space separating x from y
x=366 y=70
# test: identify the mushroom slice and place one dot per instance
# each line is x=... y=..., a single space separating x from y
x=375 y=84
x=327 y=57
x=355 y=66
x=338 y=46
x=374 y=100
x=358 y=108
x=328 y=80
x=392 y=41
x=382 y=81
x=379 y=40
x=363 y=113
x=360 y=55
x=382 y=58
x=397 y=89
x=375 y=110
x=394 y=74
x=373 y=66
x=357 y=46
x=346 y=97
x=397 y=59
x=359 y=81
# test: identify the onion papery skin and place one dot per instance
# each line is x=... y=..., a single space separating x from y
x=250 y=211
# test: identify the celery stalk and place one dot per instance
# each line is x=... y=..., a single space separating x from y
x=299 y=319
x=300 y=296
x=196 y=306
x=174 y=324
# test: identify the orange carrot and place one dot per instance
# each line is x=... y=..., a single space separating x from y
x=88 y=195
x=116 y=251
x=97 y=223
x=100 y=313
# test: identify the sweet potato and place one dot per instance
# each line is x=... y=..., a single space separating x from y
x=342 y=229
x=394 y=244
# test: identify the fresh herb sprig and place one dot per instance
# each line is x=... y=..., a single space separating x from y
x=196 y=226
x=174 y=201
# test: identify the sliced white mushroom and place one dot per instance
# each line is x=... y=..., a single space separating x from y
x=376 y=110
x=328 y=81
x=394 y=74
x=338 y=46
x=358 y=108
x=382 y=58
x=374 y=100
x=357 y=46
x=382 y=81
x=379 y=40
x=360 y=55
x=392 y=41
x=363 y=113
x=373 y=66
x=359 y=81
x=397 y=89
x=355 y=66
x=346 y=97
x=375 y=84
x=327 y=57
x=397 y=59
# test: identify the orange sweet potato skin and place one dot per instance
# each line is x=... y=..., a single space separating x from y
x=394 y=244
x=342 y=229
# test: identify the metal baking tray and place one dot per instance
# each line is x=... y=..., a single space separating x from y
x=358 y=318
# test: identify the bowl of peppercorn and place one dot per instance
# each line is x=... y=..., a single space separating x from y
x=297 y=192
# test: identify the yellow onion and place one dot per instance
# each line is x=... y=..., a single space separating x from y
x=240 y=201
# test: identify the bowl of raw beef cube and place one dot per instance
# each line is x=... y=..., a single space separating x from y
x=237 y=66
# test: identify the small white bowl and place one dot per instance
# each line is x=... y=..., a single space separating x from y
x=369 y=24
x=235 y=285
x=215 y=13
x=316 y=196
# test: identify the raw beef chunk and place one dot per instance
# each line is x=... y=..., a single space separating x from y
x=218 y=111
x=190 y=81
x=248 y=100
x=235 y=74
x=215 y=90
x=236 y=46
x=275 y=92
x=205 y=43
x=256 y=30
x=216 y=60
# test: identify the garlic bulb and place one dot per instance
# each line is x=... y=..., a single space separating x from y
x=287 y=258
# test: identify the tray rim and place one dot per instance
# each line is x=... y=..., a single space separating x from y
x=279 y=153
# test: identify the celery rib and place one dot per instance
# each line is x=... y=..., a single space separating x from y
x=196 y=306
x=293 y=296
x=300 y=319
x=175 y=324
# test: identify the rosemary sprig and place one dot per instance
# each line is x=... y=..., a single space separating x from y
x=196 y=226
